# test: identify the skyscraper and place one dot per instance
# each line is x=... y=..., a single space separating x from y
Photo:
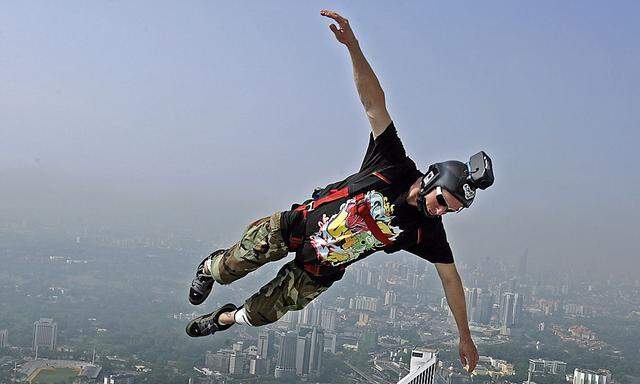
x=317 y=347
x=236 y=363
x=265 y=344
x=506 y=309
x=3 y=337
x=291 y=319
x=44 y=334
x=517 y=309
x=328 y=321
x=511 y=309
x=303 y=351
x=423 y=368
x=471 y=298
x=286 y=364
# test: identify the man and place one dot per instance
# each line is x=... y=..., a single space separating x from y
x=387 y=205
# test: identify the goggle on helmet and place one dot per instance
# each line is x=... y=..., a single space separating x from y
x=460 y=179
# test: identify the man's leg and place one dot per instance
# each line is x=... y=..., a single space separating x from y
x=261 y=243
x=291 y=290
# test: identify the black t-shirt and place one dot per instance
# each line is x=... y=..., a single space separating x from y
x=334 y=237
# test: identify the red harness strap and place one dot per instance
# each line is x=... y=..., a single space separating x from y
x=296 y=241
x=364 y=210
x=313 y=204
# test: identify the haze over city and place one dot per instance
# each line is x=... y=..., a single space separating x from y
x=136 y=137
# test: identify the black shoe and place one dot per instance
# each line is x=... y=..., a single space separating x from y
x=208 y=324
x=202 y=284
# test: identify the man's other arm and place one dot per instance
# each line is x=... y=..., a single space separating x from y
x=454 y=292
x=367 y=84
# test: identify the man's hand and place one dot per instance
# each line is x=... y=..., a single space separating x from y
x=468 y=353
x=344 y=34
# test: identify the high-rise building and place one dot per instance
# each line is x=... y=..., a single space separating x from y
x=517 y=309
x=423 y=368
x=586 y=376
x=511 y=309
x=364 y=302
x=265 y=344
x=218 y=361
x=328 y=321
x=44 y=334
x=317 y=348
x=471 y=299
x=259 y=366
x=306 y=315
x=236 y=363
x=3 y=338
x=303 y=351
x=330 y=342
x=291 y=319
x=309 y=349
x=286 y=364
x=485 y=307
x=390 y=298
x=507 y=305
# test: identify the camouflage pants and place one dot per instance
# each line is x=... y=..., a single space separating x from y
x=292 y=289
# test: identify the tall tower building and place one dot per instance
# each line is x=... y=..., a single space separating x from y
x=44 y=334
x=517 y=308
x=291 y=319
x=471 y=298
x=3 y=337
x=423 y=368
x=303 y=351
x=485 y=307
x=317 y=347
x=507 y=305
x=236 y=363
x=328 y=321
x=265 y=344
x=306 y=315
x=286 y=364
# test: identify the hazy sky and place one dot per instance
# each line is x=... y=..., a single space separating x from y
x=206 y=115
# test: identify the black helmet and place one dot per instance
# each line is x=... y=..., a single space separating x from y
x=460 y=179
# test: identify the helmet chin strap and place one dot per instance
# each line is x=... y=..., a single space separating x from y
x=422 y=206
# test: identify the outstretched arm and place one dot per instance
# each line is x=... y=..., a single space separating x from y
x=367 y=84
x=454 y=292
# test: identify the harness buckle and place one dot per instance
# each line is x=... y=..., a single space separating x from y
x=309 y=206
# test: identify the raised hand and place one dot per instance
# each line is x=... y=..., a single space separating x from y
x=344 y=34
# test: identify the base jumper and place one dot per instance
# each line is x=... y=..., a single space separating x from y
x=388 y=205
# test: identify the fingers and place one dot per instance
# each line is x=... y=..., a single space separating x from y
x=472 y=366
x=335 y=16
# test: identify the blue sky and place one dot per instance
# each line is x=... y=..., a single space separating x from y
x=206 y=115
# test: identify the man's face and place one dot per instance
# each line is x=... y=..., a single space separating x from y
x=434 y=208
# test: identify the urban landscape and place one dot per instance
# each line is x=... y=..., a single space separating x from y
x=74 y=310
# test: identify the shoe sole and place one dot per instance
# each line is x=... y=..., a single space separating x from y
x=196 y=301
x=216 y=314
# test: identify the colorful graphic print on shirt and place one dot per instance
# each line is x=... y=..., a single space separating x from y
x=344 y=236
